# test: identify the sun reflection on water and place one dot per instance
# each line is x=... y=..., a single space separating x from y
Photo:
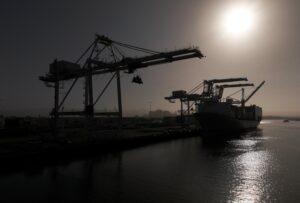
x=265 y=122
x=250 y=182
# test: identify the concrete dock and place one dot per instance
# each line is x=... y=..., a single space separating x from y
x=78 y=142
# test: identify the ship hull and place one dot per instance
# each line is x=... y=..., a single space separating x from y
x=221 y=123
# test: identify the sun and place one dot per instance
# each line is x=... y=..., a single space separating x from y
x=239 y=20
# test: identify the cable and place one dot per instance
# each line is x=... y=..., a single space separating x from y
x=119 y=51
x=196 y=88
x=84 y=53
x=136 y=48
x=234 y=93
x=94 y=44
x=106 y=86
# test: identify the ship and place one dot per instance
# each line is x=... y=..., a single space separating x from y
x=217 y=114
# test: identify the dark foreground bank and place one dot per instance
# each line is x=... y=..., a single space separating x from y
x=76 y=143
x=259 y=166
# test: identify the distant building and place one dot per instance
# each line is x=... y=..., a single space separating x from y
x=160 y=114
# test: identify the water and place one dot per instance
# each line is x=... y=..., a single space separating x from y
x=262 y=166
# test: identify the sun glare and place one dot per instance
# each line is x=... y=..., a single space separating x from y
x=238 y=20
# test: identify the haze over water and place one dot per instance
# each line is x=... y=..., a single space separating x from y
x=262 y=166
x=34 y=33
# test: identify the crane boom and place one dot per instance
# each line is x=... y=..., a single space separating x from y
x=259 y=86
x=236 y=85
x=208 y=86
x=220 y=88
x=227 y=80
x=129 y=64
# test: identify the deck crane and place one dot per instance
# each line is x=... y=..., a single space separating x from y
x=209 y=92
x=208 y=85
x=254 y=91
x=90 y=63
x=219 y=89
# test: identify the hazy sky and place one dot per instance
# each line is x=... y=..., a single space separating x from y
x=33 y=33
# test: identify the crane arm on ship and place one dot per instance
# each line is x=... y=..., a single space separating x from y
x=208 y=85
x=249 y=97
x=227 y=80
x=236 y=85
x=220 y=88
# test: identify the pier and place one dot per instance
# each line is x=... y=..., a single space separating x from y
x=39 y=142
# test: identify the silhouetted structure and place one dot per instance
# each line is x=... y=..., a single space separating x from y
x=114 y=62
x=215 y=113
x=160 y=114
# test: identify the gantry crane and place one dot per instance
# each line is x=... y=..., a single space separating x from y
x=113 y=62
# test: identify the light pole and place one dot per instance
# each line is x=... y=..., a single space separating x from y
x=150 y=108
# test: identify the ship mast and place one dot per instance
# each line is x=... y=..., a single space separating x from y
x=243 y=97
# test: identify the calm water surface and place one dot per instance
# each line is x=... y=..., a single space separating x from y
x=262 y=166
